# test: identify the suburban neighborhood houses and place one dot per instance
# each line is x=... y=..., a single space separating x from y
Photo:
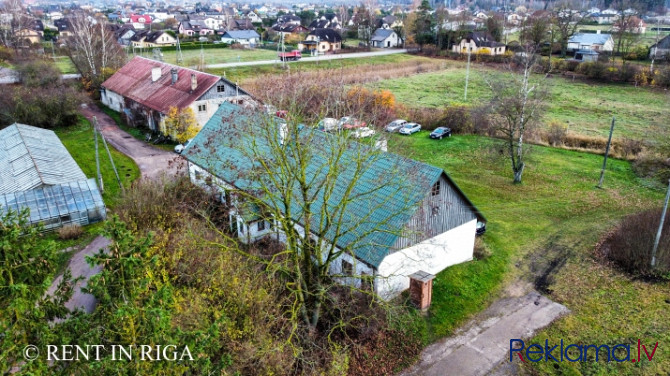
x=334 y=187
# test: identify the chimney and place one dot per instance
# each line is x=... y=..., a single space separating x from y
x=421 y=289
x=175 y=75
x=194 y=82
x=155 y=74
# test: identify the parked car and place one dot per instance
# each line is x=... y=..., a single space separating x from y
x=395 y=125
x=481 y=228
x=362 y=132
x=328 y=125
x=440 y=132
x=410 y=128
x=179 y=148
x=349 y=122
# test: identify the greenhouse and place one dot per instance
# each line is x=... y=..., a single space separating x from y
x=77 y=203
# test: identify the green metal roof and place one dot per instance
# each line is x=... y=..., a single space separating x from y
x=383 y=199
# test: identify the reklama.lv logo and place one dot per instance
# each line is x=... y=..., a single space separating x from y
x=577 y=353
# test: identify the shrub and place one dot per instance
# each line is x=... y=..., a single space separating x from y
x=42 y=107
x=39 y=73
x=70 y=232
x=556 y=132
x=458 y=118
x=630 y=244
x=653 y=165
x=481 y=251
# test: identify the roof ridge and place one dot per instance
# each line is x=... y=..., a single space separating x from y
x=39 y=174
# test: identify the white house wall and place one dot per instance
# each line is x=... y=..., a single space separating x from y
x=433 y=255
x=112 y=100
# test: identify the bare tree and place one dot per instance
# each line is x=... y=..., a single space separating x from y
x=535 y=30
x=516 y=104
x=92 y=48
x=625 y=26
x=566 y=19
x=12 y=21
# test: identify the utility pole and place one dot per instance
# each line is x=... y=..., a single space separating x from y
x=111 y=160
x=660 y=227
x=467 y=77
x=607 y=151
x=97 y=155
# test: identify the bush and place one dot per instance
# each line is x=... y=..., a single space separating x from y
x=39 y=73
x=653 y=165
x=556 y=133
x=47 y=107
x=630 y=244
x=70 y=232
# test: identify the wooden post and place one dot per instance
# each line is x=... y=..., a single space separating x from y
x=660 y=228
x=467 y=76
x=97 y=155
x=607 y=151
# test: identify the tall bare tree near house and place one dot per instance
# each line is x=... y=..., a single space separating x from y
x=535 y=29
x=516 y=104
x=13 y=21
x=625 y=25
x=92 y=48
x=566 y=19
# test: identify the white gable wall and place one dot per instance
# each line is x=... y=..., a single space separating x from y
x=433 y=255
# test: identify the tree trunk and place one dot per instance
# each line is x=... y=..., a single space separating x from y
x=518 y=172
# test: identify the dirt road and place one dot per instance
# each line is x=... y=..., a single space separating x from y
x=153 y=162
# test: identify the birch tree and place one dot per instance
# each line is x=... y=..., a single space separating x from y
x=516 y=104
x=92 y=48
x=13 y=19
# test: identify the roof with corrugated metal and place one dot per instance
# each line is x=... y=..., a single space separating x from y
x=31 y=157
x=134 y=81
x=380 y=206
x=589 y=38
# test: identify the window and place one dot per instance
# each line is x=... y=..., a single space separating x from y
x=436 y=189
x=435 y=211
x=220 y=88
x=261 y=225
x=202 y=107
x=347 y=268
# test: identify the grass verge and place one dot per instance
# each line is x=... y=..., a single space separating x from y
x=79 y=141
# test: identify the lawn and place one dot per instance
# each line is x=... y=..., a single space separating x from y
x=239 y=74
x=64 y=64
x=556 y=214
x=586 y=108
x=212 y=55
x=79 y=141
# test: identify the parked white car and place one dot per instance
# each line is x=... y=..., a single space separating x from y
x=362 y=132
x=395 y=125
x=410 y=128
x=328 y=125
x=179 y=148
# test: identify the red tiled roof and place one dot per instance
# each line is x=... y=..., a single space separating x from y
x=134 y=81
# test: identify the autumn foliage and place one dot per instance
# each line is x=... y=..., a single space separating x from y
x=181 y=125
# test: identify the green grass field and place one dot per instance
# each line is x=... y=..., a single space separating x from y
x=79 y=141
x=212 y=55
x=241 y=73
x=557 y=213
x=587 y=108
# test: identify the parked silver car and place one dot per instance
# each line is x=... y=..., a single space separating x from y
x=410 y=128
x=395 y=125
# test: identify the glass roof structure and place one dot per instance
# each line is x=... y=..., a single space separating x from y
x=78 y=202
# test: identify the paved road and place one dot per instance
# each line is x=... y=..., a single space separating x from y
x=482 y=346
x=355 y=55
x=80 y=268
x=152 y=161
x=9 y=76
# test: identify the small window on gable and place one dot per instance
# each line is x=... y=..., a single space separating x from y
x=202 y=107
x=261 y=225
x=220 y=88
x=347 y=268
x=436 y=189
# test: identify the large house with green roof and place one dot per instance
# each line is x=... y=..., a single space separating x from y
x=405 y=216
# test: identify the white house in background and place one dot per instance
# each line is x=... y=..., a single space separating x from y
x=385 y=38
x=144 y=90
x=247 y=38
x=588 y=41
x=479 y=42
x=660 y=49
x=393 y=231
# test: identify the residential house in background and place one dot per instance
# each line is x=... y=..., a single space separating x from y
x=289 y=29
x=140 y=21
x=248 y=38
x=195 y=28
x=385 y=38
x=38 y=173
x=430 y=228
x=588 y=41
x=479 y=42
x=64 y=27
x=322 y=41
x=604 y=18
x=144 y=90
x=149 y=39
x=327 y=21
